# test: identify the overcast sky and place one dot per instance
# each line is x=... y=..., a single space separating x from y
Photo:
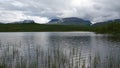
x=42 y=11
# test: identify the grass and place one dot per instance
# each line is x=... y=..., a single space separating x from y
x=54 y=57
x=111 y=28
x=40 y=27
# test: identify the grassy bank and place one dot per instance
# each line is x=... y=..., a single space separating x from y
x=40 y=27
x=110 y=28
x=54 y=58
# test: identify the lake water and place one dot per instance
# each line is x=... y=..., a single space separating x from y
x=59 y=50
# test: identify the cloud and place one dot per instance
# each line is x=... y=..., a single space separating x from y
x=43 y=10
x=10 y=16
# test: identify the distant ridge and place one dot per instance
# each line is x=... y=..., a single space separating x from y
x=70 y=21
x=25 y=21
x=106 y=22
x=67 y=21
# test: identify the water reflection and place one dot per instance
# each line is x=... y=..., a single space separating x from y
x=58 y=50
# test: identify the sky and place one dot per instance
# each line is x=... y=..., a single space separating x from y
x=41 y=11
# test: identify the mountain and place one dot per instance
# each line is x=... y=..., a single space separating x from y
x=28 y=21
x=106 y=22
x=70 y=21
x=54 y=21
x=1 y=23
x=25 y=21
x=116 y=20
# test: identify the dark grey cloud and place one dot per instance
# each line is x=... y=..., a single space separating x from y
x=43 y=10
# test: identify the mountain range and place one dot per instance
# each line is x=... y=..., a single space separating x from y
x=70 y=21
x=25 y=21
x=106 y=22
x=79 y=21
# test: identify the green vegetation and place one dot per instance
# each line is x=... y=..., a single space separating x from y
x=110 y=28
x=55 y=58
x=40 y=27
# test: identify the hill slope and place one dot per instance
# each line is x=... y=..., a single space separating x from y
x=71 y=21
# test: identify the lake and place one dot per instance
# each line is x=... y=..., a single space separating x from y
x=59 y=50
